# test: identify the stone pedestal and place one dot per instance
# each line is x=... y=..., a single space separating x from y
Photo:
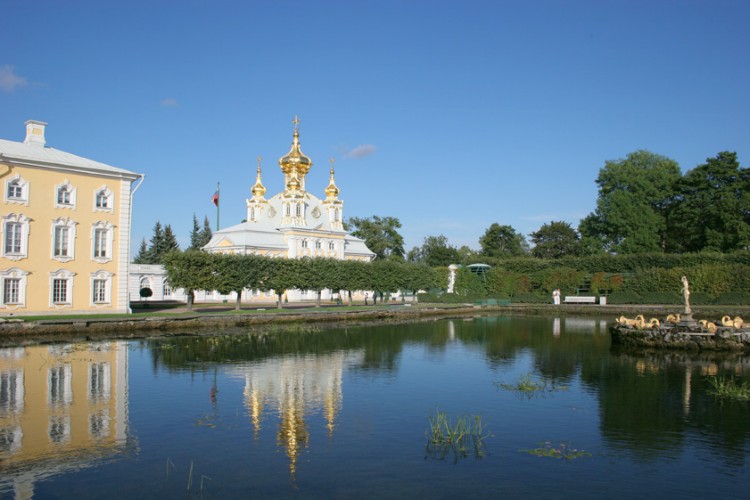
x=687 y=321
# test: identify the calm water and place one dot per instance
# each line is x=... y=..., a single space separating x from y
x=343 y=413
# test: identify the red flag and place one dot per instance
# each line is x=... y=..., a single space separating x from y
x=215 y=199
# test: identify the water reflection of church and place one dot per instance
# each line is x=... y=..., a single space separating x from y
x=62 y=407
x=294 y=389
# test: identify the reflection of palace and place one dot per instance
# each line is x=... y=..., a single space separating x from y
x=295 y=388
x=61 y=407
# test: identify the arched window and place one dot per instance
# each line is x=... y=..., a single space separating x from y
x=17 y=190
x=65 y=195
x=61 y=288
x=103 y=200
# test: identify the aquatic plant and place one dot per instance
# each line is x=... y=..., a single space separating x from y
x=729 y=388
x=530 y=386
x=562 y=451
x=446 y=438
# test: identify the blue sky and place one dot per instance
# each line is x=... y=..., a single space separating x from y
x=447 y=115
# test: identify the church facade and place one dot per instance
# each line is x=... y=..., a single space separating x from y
x=293 y=223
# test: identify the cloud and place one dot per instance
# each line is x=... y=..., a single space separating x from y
x=9 y=81
x=360 y=151
x=170 y=102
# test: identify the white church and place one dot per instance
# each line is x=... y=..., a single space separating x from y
x=292 y=224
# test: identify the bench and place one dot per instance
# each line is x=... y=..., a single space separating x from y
x=579 y=299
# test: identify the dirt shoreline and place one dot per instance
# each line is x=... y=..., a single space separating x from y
x=212 y=321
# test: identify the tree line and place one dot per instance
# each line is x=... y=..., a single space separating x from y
x=197 y=270
x=164 y=241
x=644 y=204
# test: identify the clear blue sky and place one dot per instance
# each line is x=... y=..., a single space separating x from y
x=447 y=115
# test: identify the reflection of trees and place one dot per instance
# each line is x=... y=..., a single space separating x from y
x=652 y=404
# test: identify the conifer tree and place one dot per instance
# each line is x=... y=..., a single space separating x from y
x=205 y=234
x=169 y=243
x=142 y=257
x=195 y=235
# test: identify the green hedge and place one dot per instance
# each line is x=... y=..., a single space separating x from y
x=733 y=298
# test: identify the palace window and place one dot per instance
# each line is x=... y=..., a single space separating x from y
x=331 y=245
x=317 y=244
x=11 y=390
x=17 y=190
x=288 y=209
x=304 y=243
x=60 y=385
x=299 y=209
x=102 y=235
x=59 y=429
x=252 y=214
x=15 y=236
x=336 y=215
x=63 y=238
x=99 y=424
x=101 y=286
x=167 y=290
x=103 y=199
x=13 y=287
x=65 y=195
x=99 y=381
x=61 y=287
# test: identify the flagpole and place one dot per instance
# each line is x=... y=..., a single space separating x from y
x=218 y=202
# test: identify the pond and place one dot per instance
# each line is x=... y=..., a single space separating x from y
x=549 y=410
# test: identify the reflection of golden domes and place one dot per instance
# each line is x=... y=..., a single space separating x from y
x=295 y=159
x=258 y=189
x=331 y=190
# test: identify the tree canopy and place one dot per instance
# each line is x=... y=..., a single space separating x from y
x=380 y=234
x=631 y=208
x=503 y=241
x=554 y=240
x=712 y=207
x=435 y=251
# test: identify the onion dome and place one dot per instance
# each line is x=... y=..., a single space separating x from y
x=258 y=189
x=295 y=159
x=331 y=190
x=293 y=183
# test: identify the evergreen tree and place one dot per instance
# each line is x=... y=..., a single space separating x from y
x=205 y=234
x=142 y=257
x=156 y=244
x=170 y=242
x=195 y=235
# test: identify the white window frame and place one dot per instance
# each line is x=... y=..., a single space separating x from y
x=100 y=381
x=336 y=215
x=67 y=186
x=166 y=290
x=60 y=390
x=105 y=244
x=331 y=245
x=96 y=279
x=11 y=439
x=23 y=223
x=70 y=225
x=13 y=274
x=304 y=244
x=12 y=390
x=318 y=245
x=67 y=277
x=23 y=184
x=63 y=424
x=104 y=193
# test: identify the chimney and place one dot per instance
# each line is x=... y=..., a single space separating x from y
x=35 y=133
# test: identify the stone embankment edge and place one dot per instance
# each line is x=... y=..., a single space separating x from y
x=33 y=332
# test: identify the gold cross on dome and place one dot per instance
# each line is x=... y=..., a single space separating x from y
x=296 y=122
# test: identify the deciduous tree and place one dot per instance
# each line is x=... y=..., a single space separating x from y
x=380 y=234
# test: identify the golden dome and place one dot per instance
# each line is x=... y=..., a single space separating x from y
x=295 y=159
x=258 y=189
x=331 y=190
x=293 y=184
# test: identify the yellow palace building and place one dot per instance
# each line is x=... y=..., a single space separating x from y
x=65 y=230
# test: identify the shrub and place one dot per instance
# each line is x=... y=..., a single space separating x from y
x=146 y=292
x=701 y=298
x=661 y=298
x=733 y=298
x=532 y=298
x=624 y=298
